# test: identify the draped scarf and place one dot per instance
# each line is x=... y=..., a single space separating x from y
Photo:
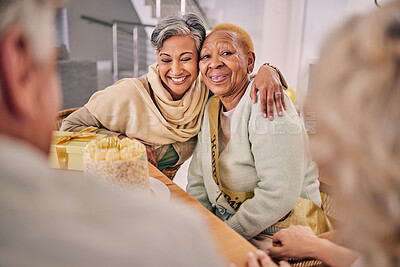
x=142 y=108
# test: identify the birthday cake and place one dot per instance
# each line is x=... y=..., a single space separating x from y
x=122 y=162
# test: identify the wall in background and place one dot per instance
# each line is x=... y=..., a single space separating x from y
x=294 y=30
x=93 y=41
x=287 y=33
x=246 y=14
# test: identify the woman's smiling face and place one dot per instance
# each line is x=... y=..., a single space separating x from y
x=178 y=64
x=224 y=63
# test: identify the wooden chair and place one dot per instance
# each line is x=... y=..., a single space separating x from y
x=61 y=115
x=327 y=203
x=327 y=206
x=170 y=172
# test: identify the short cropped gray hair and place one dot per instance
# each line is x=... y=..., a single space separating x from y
x=36 y=18
x=179 y=25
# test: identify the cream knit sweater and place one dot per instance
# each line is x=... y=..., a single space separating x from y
x=270 y=158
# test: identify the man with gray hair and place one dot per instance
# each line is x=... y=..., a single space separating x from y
x=48 y=218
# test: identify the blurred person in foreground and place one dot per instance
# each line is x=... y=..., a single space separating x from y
x=48 y=218
x=357 y=146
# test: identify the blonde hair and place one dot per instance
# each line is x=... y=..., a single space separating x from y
x=36 y=18
x=356 y=97
x=244 y=37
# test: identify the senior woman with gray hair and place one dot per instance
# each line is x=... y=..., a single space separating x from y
x=254 y=174
x=163 y=108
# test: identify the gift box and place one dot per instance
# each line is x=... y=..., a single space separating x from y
x=66 y=151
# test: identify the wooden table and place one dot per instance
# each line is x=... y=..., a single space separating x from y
x=232 y=246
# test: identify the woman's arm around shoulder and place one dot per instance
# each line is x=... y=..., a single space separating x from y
x=270 y=82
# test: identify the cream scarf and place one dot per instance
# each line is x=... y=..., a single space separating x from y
x=142 y=108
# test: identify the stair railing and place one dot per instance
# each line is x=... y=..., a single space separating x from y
x=123 y=49
x=184 y=6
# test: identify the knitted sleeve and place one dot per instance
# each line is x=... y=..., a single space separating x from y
x=279 y=156
x=196 y=187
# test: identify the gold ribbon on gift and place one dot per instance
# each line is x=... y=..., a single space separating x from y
x=61 y=143
x=305 y=212
x=234 y=198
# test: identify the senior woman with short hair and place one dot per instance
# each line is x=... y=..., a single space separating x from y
x=249 y=171
x=163 y=108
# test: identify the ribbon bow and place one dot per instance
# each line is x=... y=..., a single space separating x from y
x=61 y=143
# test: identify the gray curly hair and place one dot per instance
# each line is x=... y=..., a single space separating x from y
x=179 y=25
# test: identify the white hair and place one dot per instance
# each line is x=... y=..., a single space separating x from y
x=36 y=18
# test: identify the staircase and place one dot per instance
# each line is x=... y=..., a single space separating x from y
x=132 y=52
x=163 y=8
x=130 y=49
x=131 y=56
